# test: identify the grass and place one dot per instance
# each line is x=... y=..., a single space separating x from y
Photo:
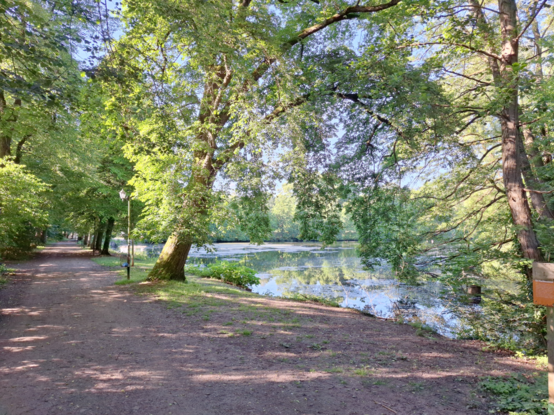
x=139 y=272
x=4 y=273
x=362 y=372
x=423 y=330
x=313 y=298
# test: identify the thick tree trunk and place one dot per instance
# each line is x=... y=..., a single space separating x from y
x=521 y=213
x=108 y=237
x=85 y=240
x=5 y=147
x=99 y=237
x=531 y=182
x=43 y=236
x=509 y=119
x=172 y=260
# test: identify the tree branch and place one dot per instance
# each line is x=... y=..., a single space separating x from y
x=19 y=149
x=226 y=154
x=538 y=191
x=348 y=13
x=356 y=99
x=531 y=19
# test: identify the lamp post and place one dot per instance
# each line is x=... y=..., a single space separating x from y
x=124 y=196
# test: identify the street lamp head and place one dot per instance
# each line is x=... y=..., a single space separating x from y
x=123 y=195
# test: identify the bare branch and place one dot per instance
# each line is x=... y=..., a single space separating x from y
x=348 y=13
x=531 y=19
x=539 y=191
x=461 y=45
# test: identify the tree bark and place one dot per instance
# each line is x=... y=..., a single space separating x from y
x=509 y=120
x=5 y=147
x=108 y=237
x=43 y=236
x=85 y=240
x=98 y=237
x=531 y=182
x=171 y=263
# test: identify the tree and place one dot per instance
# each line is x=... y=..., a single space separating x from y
x=208 y=106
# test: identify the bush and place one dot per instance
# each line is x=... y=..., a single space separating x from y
x=21 y=210
x=230 y=272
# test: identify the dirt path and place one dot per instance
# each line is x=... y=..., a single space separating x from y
x=73 y=343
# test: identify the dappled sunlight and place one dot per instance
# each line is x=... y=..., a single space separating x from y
x=17 y=349
x=28 y=338
x=21 y=311
x=22 y=367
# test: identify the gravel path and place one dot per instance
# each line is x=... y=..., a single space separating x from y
x=73 y=343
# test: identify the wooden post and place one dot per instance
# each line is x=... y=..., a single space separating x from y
x=543 y=294
x=550 y=348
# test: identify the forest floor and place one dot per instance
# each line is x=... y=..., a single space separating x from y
x=74 y=343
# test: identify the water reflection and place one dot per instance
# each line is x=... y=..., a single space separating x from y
x=334 y=273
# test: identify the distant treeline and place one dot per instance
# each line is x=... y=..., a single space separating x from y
x=285 y=229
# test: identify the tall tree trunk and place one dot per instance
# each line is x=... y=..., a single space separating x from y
x=43 y=236
x=108 y=237
x=99 y=237
x=537 y=199
x=171 y=263
x=509 y=119
x=5 y=147
x=85 y=240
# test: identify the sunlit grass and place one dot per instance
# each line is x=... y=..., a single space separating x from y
x=139 y=272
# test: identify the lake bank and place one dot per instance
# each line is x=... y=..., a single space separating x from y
x=333 y=273
x=304 y=348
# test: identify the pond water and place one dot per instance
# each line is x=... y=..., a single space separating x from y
x=334 y=272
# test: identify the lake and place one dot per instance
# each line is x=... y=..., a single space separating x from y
x=334 y=272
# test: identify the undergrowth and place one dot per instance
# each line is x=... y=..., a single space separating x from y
x=229 y=272
x=518 y=394
x=3 y=274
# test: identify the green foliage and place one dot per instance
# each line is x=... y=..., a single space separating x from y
x=518 y=394
x=22 y=209
x=284 y=228
x=319 y=207
x=229 y=272
x=252 y=215
x=507 y=320
x=387 y=222
x=3 y=274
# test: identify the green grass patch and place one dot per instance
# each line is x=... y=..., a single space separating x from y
x=314 y=298
x=518 y=394
x=114 y=261
x=423 y=330
x=139 y=272
x=362 y=372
